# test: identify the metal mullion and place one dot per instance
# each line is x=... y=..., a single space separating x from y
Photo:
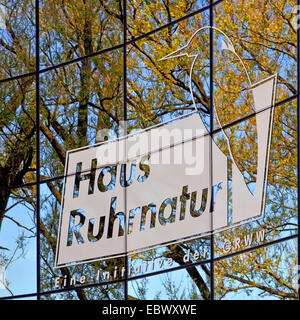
x=125 y=133
x=298 y=142
x=211 y=129
x=37 y=93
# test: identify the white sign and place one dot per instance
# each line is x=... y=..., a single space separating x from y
x=163 y=185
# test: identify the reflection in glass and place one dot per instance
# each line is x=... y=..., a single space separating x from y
x=17 y=37
x=270 y=273
x=17 y=134
x=233 y=82
x=190 y=284
x=71 y=29
x=168 y=257
x=18 y=243
x=159 y=78
x=71 y=276
x=143 y=17
x=281 y=203
x=104 y=292
x=80 y=104
x=265 y=38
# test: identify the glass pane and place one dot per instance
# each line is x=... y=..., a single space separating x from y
x=71 y=29
x=264 y=37
x=17 y=133
x=159 y=92
x=77 y=102
x=105 y=292
x=18 y=243
x=265 y=273
x=88 y=247
x=273 y=210
x=145 y=16
x=159 y=87
x=234 y=95
x=187 y=284
x=17 y=37
x=169 y=202
x=168 y=257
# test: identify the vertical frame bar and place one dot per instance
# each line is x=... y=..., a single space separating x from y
x=211 y=128
x=298 y=143
x=37 y=93
x=125 y=132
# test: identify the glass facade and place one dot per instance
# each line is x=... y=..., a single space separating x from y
x=70 y=69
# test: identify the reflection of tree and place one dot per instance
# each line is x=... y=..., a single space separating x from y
x=18 y=252
x=271 y=270
x=17 y=126
x=79 y=99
